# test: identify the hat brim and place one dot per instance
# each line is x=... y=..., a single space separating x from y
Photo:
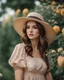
x=19 y=25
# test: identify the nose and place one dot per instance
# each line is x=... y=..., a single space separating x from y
x=31 y=30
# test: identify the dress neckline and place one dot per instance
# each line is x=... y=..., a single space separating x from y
x=35 y=57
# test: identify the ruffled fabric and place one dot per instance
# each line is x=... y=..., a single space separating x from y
x=34 y=68
x=36 y=65
x=18 y=57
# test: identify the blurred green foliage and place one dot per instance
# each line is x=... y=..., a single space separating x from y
x=16 y=4
x=8 y=39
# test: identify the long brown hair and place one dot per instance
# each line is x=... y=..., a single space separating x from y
x=42 y=43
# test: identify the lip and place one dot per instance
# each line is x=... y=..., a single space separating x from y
x=30 y=34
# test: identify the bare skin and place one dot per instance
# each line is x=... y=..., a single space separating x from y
x=18 y=74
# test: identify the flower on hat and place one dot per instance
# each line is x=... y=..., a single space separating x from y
x=60 y=61
x=53 y=3
x=62 y=12
x=63 y=31
x=60 y=49
x=18 y=11
x=56 y=28
x=25 y=11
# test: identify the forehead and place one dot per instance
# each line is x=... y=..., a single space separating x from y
x=31 y=22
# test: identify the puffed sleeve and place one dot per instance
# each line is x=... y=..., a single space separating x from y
x=18 y=57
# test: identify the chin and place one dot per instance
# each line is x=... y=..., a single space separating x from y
x=31 y=38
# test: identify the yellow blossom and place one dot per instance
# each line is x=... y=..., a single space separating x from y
x=60 y=61
x=62 y=11
x=60 y=49
x=53 y=3
x=56 y=28
x=63 y=31
x=58 y=11
x=25 y=11
x=18 y=11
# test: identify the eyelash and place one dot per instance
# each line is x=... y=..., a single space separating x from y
x=29 y=27
x=35 y=27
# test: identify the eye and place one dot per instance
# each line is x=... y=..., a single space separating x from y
x=35 y=27
x=27 y=27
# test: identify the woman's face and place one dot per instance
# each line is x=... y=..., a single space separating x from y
x=32 y=30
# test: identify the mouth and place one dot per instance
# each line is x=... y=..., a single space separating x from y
x=30 y=34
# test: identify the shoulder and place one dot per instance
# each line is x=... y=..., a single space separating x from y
x=18 y=49
x=20 y=45
x=18 y=56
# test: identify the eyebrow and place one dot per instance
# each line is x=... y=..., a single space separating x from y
x=33 y=25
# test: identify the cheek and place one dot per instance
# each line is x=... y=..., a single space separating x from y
x=37 y=32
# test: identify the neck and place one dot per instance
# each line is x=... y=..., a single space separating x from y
x=34 y=44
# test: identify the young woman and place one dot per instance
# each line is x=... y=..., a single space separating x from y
x=29 y=59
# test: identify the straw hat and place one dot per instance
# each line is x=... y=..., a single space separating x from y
x=19 y=25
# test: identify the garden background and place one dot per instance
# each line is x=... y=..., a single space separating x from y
x=53 y=13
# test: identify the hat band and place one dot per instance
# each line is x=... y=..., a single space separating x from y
x=34 y=17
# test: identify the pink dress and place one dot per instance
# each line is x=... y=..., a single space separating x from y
x=34 y=68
